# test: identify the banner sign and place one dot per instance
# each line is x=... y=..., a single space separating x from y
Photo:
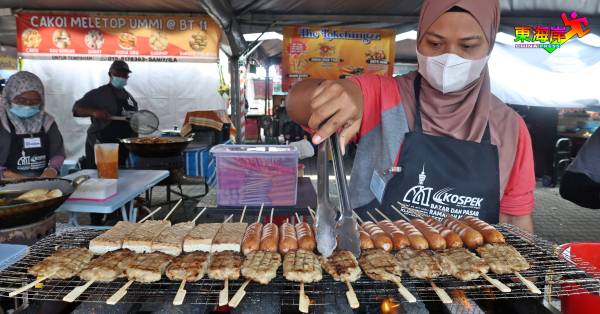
x=86 y=36
x=333 y=53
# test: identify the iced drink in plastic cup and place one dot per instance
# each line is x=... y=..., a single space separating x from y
x=107 y=160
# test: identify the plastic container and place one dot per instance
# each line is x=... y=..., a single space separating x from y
x=107 y=160
x=585 y=256
x=256 y=174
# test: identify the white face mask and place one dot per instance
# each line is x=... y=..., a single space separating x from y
x=449 y=72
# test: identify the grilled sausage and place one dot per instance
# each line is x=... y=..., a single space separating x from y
x=306 y=237
x=452 y=238
x=399 y=239
x=251 y=240
x=470 y=237
x=378 y=236
x=434 y=238
x=490 y=234
x=269 y=238
x=287 y=240
x=416 y=238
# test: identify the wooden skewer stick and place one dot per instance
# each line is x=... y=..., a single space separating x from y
x=530 y=285
x=311 y=212
x=181 y=292
x=412 y=211
x=228 y=218
x=298 y=218
x=400 y=213
x=497 y=283
x=271 y=219
x=259 y=214
x=173 y=209
x=304 y=301
x=77 y=291
x=372 y=218
x=30 y=285
x=243 y=212
x=224 y=294
x=382 y=214
x=239 y=295
x=358 y=218
x=199 y=214
x=409 y=297
x=351 y=296
x=119 y=294
x=151 y=214
x=441 y=293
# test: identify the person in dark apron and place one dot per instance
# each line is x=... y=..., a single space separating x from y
x=436 y=140
x=100 y=105
x=30 y=143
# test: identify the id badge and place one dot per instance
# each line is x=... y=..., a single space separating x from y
x=32 y=142
x=377 y=185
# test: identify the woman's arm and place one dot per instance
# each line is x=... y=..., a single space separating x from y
x=524 y=222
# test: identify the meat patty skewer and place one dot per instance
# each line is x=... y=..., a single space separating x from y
x=63 y=264
x=258 y=266
x=342 y=266
x=381 y=266
x=225 y=265
x=302 y=266
x=187 y=267
x=505 y=259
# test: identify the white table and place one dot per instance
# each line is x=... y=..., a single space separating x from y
x=130 y=184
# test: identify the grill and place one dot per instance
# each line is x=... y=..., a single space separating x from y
x=547 y=271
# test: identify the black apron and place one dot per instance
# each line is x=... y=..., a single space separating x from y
x=441 y=175
x=112 y=133
x=29 y=153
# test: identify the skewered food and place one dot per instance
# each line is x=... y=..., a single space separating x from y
x=302 y=266
x=225 y=265
x=288 y=240
x=365 y=240
x=342 y=266
x=433 y=237
x=470 y=237
x=261 y=266
x=148 y=267
x=462 y=264
x=419 y=263
x=306 y=237
x=229 y=237
x=112 y=239
x=490 y=234
x=251 y=240
x=380 y=265
x=201 y=237
x=108 y=267
x=503 y=258
x=170 y=241
x=269 y=238
x=416 y=238
x=452 y=238
x=399 y=239
x=94 y=39
x=378 y=236
x=63 y=264
x=140 y=240
x=189 y=267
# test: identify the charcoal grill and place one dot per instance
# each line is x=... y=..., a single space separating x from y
x=547 y=271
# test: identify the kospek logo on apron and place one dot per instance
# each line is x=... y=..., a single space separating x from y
x=442 y=199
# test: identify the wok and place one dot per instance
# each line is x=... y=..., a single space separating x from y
x=13 y=215
x=163 y=147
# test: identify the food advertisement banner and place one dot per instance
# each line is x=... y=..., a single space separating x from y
x=86 y=36
x=332 y=53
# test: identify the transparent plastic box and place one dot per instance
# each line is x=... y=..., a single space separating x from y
x=256 y=174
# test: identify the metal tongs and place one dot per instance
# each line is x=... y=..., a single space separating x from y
x=344 y=231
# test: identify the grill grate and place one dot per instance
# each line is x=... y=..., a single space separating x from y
x=547 y=271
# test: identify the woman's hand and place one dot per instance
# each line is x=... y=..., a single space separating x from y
x=49 y=173
x=327 y=106
x=524 y=222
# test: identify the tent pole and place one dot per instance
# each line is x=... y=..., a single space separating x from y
x=236 y=106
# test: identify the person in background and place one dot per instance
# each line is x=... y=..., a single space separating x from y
x=581 y=182
x=101 y=104
x=31 y=144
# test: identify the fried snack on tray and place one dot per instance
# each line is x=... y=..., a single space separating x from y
x=503 y=258
x=201 y=237
x=342 y=266
x=107 y=267
x=189 y=266
x=302 y=266
x=419 y=263
x=462 y=264
x=112 y=239
x=63 y=264
x=170 y=241
x=225 y=264
x=261 y=266
x=148 y=267
x=380 y=265
x=140 y=240
x=229 y=237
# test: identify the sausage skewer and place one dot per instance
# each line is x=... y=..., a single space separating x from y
x=365 y=240
x=490 y=234
x=251 y=240
x=305 y=235
x=470 y=237
x=399 y=239
x=270 y=236
x=452 y=238
x=380 y=239
x=435 y=240
x=417 y=239
x=288 y=241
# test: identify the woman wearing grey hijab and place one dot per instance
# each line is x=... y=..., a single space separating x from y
x=30 y=143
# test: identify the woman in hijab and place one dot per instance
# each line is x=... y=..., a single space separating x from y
x=30 y=143
x=436 y=140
